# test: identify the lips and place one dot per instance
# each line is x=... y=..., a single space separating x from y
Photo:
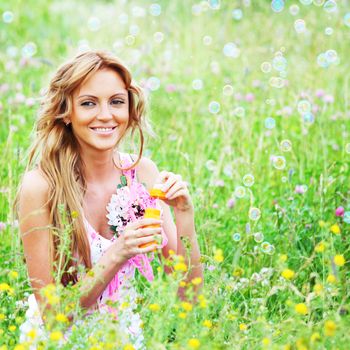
x=103 y=129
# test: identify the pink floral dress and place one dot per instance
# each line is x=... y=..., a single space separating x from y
x=126 y=205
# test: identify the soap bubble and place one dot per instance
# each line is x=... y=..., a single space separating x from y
x=237 y=14
x=328 y=31
x=129 y=40
x=346 y=19
x=279 y=162
x=123 y=18
x=214 y=107
x=227 y=90
x=322 y=60
x=94 y=24
x=270 y=123
x=210 y=165
x=258 y=237
x=7 y=16
x=155 y=9
x=294 y=10
x=158 y=37
x=277 y=5
x=330 y=6
x=308 y=118
x=239 y=111
x=236 y=237
x=279 y=63
x=254 y=214
x=231 y=50
x=331 y=56
x=197 y=84
x=285 y=145
x=248 y=180
x=346 y=217
x=29 y=49
x=239 y=192
x=299 y=26
x=266 y=67
x=269 y=249
x=207 y=40
x=153 y=83
x=304 y=106
x=214 y=4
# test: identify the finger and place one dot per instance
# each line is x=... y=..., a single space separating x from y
x=147 y=232
x=170 y=182
x=150 y=248
x=176 y=187
x=156 y=239
x=143 y=222
x=163 y=176
x=179 y=193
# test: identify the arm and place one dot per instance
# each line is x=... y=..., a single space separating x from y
x=34 y=226
x=184 y=227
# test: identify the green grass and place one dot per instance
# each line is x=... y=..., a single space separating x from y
x=188 y=137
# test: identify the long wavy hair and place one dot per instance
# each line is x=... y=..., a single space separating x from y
x=56 y=151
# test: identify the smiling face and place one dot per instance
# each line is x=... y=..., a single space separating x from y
x=100 y=112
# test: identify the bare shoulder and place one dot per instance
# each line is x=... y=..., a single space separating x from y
x=34 y=184
x=147 y=171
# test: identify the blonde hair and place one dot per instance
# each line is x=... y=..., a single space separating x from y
x=56 y=150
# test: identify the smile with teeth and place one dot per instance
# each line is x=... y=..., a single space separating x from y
x=103 y=130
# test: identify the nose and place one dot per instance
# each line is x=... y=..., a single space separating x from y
x=104 y=112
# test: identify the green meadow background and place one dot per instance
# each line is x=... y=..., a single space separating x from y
x=250 y=103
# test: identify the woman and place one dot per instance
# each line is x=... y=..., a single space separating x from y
x=75 y=165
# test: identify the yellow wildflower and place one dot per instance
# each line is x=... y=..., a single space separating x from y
x=196 y=281
x=13 y=274
x=75 y=214
x=283 y=258
x=329 y=328
x=19 y=347
x=207 y=323
x=180 y=266
x=182 y=284
x=331 y=278
x=218 y=255
x=4 y=287
x=194 y=343
x=301 y=309
x=186 y=306
x=266 y=341
x=2 y=317
x=61 y=318
x=243 y=327
x=12 y=328
x=182 y=315
x=320 y=247
x=56 y=335
x=288 y=274
x=171 y=252
x=32 y=334
x=318 y=288
x=315 y=337
x=335 y=229
x=128 y=347
x=339 y=260
x=322 y=223
x=154 y=307
x=238 y=272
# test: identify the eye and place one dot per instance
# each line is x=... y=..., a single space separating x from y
x=86 y=103
x=117 y=102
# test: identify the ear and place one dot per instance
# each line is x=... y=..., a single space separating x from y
x=66 y=120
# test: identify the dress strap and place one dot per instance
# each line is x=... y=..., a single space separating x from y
x=126 y=161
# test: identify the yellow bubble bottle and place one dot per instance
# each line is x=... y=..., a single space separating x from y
x=151 y=213
x=156 y=192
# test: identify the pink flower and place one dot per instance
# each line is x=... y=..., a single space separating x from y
x=238 y=96
x=319 y=93
x=170 y=88
x=231 y=203
x=2 y=226
x=339 y=211
x=249 y=97
x=328 y=99
x=300 y=189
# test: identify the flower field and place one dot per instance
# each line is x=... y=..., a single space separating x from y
x=249 y=101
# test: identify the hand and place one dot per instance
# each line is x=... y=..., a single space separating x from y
x=176 y=190
x=134 y=235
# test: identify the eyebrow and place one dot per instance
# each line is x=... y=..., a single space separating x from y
x=117 y=94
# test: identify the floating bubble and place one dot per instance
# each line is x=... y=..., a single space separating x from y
x=239 y=112
x=239 y=192
x=214 y=4
x=214 y=107
x=322 y=60
x=330 y=6
x=134 y=29
x=279 y=162
x=138 y=11
x=123 y=18
x=308 y=118
x=248 y=180
x=258 y=237
x=328 y=31
x=153 y=83
x=284 y=179
x=254 y=214
x=294 y=10
x=227 y=90
x=266 y=67
x=236 y=237
x=158 y=37
x=207 y=40
x=277 y=82
x=279 y=63
x=331 y=56
x=12 y=51
x=94 y=24
x=347 y=148
x=228 y=170
x=304 y=106
x=129 y=40
x=270 y=249
x=7 y=16
x=285 y=145
x=237 y=14
x=210 y=165
x=299 y=26
x=155 y=9
x=306 y=2
x=29 y=49
x=265 y=246
x=197 y=84
x=269 y=123
x=231 y=50
x=277 y=5
x=346 y=19
x=346 y=217
x=196 y=9
x=318 y=2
